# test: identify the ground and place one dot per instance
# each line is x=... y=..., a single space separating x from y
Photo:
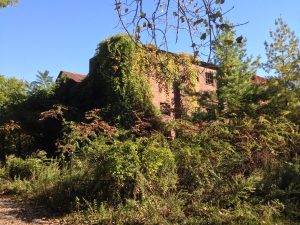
x=19 y=213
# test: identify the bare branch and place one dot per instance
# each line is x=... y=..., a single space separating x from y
x=197 y=20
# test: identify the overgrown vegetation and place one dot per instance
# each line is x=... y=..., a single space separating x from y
x=102 y=158
x=119 y=81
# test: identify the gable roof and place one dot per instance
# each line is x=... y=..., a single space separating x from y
x=76 y=77
x=258 y=79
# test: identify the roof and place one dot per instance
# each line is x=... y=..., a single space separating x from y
x=72 y=76
x=258 y=79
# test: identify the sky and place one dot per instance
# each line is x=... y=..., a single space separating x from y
x=57 y=35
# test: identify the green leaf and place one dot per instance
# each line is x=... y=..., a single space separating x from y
x=182 y=19
x=143 y=15
x=224 y=26
x=203 y=36
x=198 y=22
x=239 y=39
x=220 y=1
x=228 y=42
x=216 y=15
x=138 y=29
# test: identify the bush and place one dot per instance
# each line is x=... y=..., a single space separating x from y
x=21 y=168
x=283 y=183
x=229 y=172
x=223 y=168
x=133 y=168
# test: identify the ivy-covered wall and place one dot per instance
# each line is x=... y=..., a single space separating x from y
x=126 y=77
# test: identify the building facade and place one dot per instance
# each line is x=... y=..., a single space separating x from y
x=173 y=102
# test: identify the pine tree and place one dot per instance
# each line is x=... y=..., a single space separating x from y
x=234 y=74
x=283 y=58
x=283 y=55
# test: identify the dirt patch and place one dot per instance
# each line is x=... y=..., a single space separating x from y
x=19 y=213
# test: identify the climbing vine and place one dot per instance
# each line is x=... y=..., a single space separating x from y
x=120 y=80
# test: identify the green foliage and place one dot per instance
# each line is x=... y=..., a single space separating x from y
x=115 y=79
x=234 y=74
x=22 y=169
x=236 y=94
x=283 y=57
x=240 y=168
x=5 y=3
x=14 y=140
x=133 y=168
x=106 y=169
x=43 y=82
x=42 y=89
x=282 y=183
x=44 y=180
x=236 y=148
x=232 y=172
x=76 y=135
x=119 y=82
x=223 y=168
x=13 y=92
x=151 y=211
x=283 y=53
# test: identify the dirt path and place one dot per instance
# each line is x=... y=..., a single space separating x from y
x=12 y=212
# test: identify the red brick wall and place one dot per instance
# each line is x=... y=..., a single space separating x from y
x=176 y=98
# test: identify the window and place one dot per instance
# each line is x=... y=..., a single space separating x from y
x=165 y=108
x=209 y=78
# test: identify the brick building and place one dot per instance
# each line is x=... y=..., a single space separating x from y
x=171 y=103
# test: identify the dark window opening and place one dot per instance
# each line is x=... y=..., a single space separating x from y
x=165 y=108
x=209 y=78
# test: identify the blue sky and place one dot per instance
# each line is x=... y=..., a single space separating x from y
x=63 y=34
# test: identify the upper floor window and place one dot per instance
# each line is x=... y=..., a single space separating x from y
x=209 y=78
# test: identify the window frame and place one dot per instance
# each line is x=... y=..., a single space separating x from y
x=209 y=78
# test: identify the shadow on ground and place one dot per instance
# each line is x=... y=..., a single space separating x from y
x=15 y=212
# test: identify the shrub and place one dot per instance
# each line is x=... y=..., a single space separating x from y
x=21 y=168
x=133 y=168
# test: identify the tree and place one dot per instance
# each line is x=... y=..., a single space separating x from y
x=198 y=19
x=43 y=81
x=13 y=91
x=5 y=3
x=283 y=54
x=283 y=58
x=235 y=71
